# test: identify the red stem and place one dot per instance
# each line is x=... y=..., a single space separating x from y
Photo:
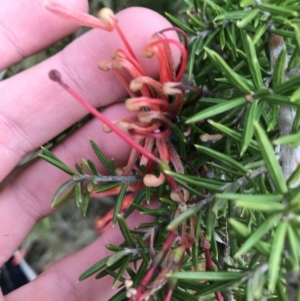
x=210 y=267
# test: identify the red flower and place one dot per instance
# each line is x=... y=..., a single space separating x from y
x=156 y=103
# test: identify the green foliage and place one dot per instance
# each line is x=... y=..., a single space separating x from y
x=244 y=55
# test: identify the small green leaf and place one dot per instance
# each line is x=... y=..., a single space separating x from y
x=56 y=162
x=276 y=254
x=273 y=117
x=188 y=213
x=294 y=196
x=217 y=109
x=284 y=33
x=55 y=200
x=245 y=232
x=278 y=10
x=86 y=201
x=296 y=96
x=258 y=206
x=297 y=34
x=208 y=276
x=108 y=187
x=258 y=234
x=90 y=166
x=197 y=21
x=293 y=140
x=118 y=256
x=294 y=179
x=121 y=271
x=223 y=67
x=141 y=272
x=197 y=181
x=78 y=193
x=262 y=93
x=232 y=134
x=294 y=61
x=279 y=69
x=259 y=33
x=120 y=296
x=294 y=245
x=245 y=3
x=289 y=86
x=281 y=291
x=180 y=24
x=113 y=248
x=119 y=202
x=94 y=269
x=248 y=18
x=253 y=62
x=232 y=15
x=125 y=231
x=101 y=156
x=222 y=157
x=248 y=131
x=270 y=159
x=189 y=188
x=148 y=194
x=268 y=198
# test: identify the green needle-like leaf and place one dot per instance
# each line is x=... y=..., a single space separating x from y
x=248 y=18
x=86 y=201
x=223 y=67
x=261 y=207
x=197 y=181
x=101 y=156
x=94 y=269
x=222 y=157
x=56 y=162
x=252 y=61
x=232 y=134
x=207 y=276
x=294 y=245
x=125 y=231
x=292 y=140
x=295 y=177
x=289 y=86
x=234 y=15
x=270 y=159
x=279 y=69
x=248 y=132
x=258 y=234
x=55 y=200
x=276 y=254
x=245 y=232
x=119 y=202
x=217 y=109
x=121 y=270
x=118 y=256
x=280 y=10
x=268 y=198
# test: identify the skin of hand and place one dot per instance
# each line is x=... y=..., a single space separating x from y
x=33 y=110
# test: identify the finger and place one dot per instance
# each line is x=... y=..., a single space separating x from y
x=27 y=27
x=26 y=196
x=38 y=109
x=59 y=282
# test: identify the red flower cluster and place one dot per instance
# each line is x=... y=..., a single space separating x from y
x=156 y=103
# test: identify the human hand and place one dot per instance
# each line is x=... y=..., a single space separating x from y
x=33 y=110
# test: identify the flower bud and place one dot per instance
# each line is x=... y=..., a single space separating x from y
x=106 y=15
